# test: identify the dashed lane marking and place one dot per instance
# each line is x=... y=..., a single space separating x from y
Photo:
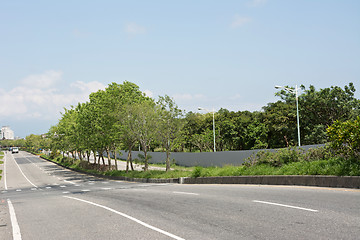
x=129 y=217
x=287 y=206
x=187 y=193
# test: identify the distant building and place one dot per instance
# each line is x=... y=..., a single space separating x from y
x=7 y=133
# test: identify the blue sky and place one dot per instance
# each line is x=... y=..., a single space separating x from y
x=213 y=54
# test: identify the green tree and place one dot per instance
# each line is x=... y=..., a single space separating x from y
x=33 y=142
x=126 y=94
x=345 y=137
x=169 y=124
x=320 y=109
x=144 y=119
x=280 y=119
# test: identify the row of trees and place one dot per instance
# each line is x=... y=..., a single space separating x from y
x=119 y=117
x=275 y=126
x=122 y=117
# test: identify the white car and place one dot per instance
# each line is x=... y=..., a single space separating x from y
x=15 y=150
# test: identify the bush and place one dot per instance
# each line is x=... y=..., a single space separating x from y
x=277 y=158
x=197 y=172
x=345 y=137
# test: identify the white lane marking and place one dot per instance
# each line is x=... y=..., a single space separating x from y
x=14 y=223
x=69 y=182
x=187 y=193
x=18 y=190
x=62 y=186
x=33 y=189
x=85 y=190
x=47 y=187
x=128 y=217
x=106 y=188
x=288 y=206
x=24 y=174
x=66 y=192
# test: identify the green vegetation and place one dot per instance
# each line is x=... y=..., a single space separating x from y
x=286 y=165
x=121 y=117
x=345 y=137
x=1 y=162
x=289 y=161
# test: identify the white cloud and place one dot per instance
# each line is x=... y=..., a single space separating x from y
x=37 y=96
x=134 y=28
x=88 y=87
x=188 y=97
x=257 y=3
x=148 y=93
x=239 y=21
x=45 y=80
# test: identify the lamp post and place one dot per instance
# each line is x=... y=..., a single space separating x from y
x=213 y=113
x=297 y=106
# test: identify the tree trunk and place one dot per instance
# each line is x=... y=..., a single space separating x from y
x=116 y=165
x=102 y=158
x=128 y=160
x=146 y=167
x=131 y=163
x=167 y=159
x=108 y=157
x=88 y=155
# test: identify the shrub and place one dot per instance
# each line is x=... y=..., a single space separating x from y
x=345 y=137
x=277 y=158
x=197 y=172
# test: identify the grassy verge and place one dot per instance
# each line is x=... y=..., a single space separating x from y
x=1 y=162
x=90 y=168
x=334 y=166
x=283 y=162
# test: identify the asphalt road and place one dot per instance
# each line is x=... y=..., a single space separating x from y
x=40 y=200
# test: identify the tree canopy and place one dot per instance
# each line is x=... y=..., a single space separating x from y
x=122 y=117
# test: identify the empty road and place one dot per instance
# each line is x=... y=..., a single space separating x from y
x=40 y=200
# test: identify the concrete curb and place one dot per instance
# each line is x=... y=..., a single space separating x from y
x=298 y=180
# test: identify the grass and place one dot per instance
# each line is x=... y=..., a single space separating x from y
x=1 y=162
x=334 y=166
x=284 y=162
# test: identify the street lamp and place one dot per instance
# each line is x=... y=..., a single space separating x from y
x=213 y=113
x=297 y=106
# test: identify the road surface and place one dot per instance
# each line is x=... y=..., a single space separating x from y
x=40 y=200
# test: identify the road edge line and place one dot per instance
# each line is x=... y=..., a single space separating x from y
x=14 y=222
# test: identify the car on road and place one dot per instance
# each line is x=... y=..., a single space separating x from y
x=15 y=150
